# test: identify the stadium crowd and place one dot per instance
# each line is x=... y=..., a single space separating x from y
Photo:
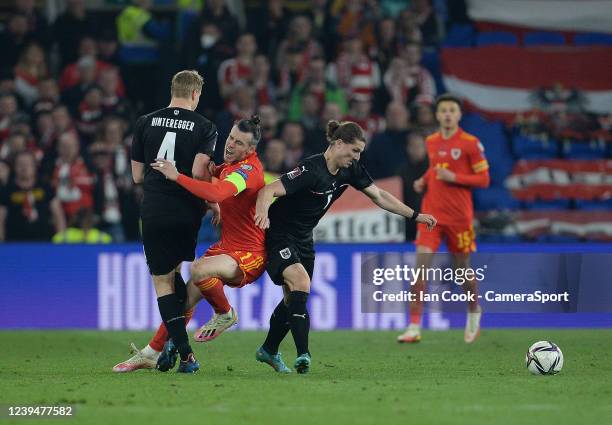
x=71 y=89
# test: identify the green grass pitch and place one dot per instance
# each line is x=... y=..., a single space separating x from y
x=356 y=378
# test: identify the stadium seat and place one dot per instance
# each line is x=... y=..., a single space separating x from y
x=594 y=205
x=560 y=204
x=490 y=38
x=594 y=149
x=593 y=38
x=494 y=198
x=543 y=38
x=460 y=36
x=526 y=147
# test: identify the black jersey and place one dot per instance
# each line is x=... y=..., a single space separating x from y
x=311 y=189
x=178 y=135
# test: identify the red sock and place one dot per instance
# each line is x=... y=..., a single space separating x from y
x=161 y=336
x=212 y=290
x=416 y=307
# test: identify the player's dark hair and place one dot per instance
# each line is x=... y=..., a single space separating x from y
x=251 y=126
x=447 y=97
x=347 y=131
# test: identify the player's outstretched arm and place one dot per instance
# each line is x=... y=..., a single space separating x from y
x=213 y=192
x=265 y=196
x=388 y=202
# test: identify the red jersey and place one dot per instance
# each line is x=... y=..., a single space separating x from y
x=463 y=154
x=238 y=225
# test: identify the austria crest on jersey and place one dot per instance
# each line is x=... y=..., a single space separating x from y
x=455 y=153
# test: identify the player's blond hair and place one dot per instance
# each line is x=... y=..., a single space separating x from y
x=185 y=82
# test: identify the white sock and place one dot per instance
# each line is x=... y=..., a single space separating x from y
x=148 y=351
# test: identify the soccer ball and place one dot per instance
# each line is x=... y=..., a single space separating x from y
x=544 y=358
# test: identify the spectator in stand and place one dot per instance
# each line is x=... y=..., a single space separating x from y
x=361 y=112
x=311 y=114
x=408 y=29
x=299 y=39
x=45 y=132
x=237 y=70
x=71 y=178
x=206 y=56
x=71 y=74
x=407 y=81
x=217 y=12
x=387 y=44
x=411 y=171
x=29 y=209
x=357 y=19
x=269 y=25
x=31 y=68
x=386 y=153
x=425 y=119
x=69 y=27
x=113 y=137
x=14 y=145
x=90 y=114
x=112 y=102
x=13 y=40
x=316 y=84
x=73 y=96
x=108 y=47
x=268 y=124
x=48 y=96
x=353 y=70
x=274 y=157
x=8 y=109
x=63 y=120
x=293 y=137
x=106 y=192
x=144 y=47
x=37 y=23
x=265 y=91
x=426 y=19
x=316 y=139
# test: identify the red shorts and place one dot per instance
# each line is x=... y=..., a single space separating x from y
x=459 y=238
x=252 y=264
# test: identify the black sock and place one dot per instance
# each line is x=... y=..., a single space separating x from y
x=279 y=326
x=172 y=314
x=180 y=288
x=299 y=320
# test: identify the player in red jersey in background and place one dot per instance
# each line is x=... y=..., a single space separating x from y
x=237 y=259
x=456 y=165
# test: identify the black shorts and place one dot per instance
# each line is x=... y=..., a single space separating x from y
x=167 y=242
x=283 y=252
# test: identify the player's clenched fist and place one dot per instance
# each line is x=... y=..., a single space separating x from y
x=165 y=167
x=427 y=219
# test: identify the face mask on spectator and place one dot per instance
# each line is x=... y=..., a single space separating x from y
x=207 y=40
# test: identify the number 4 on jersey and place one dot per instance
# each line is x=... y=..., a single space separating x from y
x=166 y=150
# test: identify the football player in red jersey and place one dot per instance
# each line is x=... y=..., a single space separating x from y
x=237 y=259
x=456 y=165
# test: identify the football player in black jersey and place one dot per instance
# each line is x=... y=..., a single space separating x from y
x=305 y=194
x=171 y=216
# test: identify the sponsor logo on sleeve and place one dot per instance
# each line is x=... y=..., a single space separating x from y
x=247 y=167
x=296 y=172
